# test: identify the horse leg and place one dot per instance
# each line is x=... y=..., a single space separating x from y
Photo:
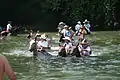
x=76 y=52
x=62 y=53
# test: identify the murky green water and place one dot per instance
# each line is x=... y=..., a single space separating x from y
x=104 y=64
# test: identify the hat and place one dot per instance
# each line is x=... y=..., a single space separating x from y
x=86 y=21
x=65 y=26
x=67 y=38
x=61 y=23
x=84 y=42
x=79 y=22
x=43 y=36
x=70 y=27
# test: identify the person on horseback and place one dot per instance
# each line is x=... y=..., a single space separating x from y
x=65 y=33
x=71 y=32
x=60 y=27
x=82 y=33
x=3 y=34
x=43 y=43
x=67 y=47
x=87 y=26
x=84 y=48
x=77 y=27
x=9 y=27
x=6 y=31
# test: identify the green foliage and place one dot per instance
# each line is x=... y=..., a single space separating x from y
x=103 y=14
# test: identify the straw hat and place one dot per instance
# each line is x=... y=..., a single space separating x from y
x=70 y=27
x=61 y=23
x=65 y=26
x=43 y=36
x=79 y=22
x=67 y=38
x=84 y=42
x=86 y=21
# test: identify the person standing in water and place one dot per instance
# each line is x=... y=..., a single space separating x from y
x=5 y=68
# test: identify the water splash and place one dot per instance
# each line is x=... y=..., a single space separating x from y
x=19 y=52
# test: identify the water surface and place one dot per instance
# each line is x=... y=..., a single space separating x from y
x=104 y=63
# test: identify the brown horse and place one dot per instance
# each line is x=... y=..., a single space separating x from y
x=3 y=34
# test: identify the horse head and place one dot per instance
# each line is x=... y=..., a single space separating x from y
x=32 y=46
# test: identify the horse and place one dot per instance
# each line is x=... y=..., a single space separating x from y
x=62 y=53
x=76 y=52
x=40 y=54
x=61 y=38
x=3 y=34
x=45 y=54
x=16 y=30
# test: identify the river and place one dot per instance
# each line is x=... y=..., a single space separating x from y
x=104 y=63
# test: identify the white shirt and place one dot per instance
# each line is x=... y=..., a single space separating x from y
x=77 y=27
x=42 y=43
x=37 y=34
x=88 y=49
x=63 y=31
x=66 y=33
x=9 y=27
x=67 y=45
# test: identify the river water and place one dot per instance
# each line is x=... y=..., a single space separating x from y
x=104 y=63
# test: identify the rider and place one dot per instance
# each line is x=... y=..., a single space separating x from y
x=42 y=43
x=82 y=33
x=60 y=27
x=9 y=27
x=71 y=32
x=77 y=27
x=5 y=68
x=84 y=48
x=87 y=26
x=67 y=45
x=66 y=32
x=6 y=31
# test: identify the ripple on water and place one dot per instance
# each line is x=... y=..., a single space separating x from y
x=19 y=52
x=88 y=68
